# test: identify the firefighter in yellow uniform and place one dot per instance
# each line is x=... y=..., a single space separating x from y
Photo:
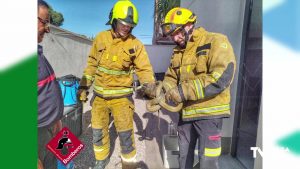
x=114 y=56
x=201 y=71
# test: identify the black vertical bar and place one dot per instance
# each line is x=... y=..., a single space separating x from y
x=241 y=83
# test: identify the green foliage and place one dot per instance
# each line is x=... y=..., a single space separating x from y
x=164 y=6
x=56 y=18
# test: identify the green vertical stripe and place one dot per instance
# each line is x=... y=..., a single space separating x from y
x=18 y=122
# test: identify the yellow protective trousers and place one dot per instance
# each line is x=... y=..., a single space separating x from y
x=122 y=110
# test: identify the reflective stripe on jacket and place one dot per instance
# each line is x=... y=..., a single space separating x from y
x=205 y=70
x=112 y=62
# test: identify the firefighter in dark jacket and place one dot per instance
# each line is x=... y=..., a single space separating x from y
x=201 y=71
x=50 y=101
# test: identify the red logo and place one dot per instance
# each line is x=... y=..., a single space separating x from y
x=65 y=146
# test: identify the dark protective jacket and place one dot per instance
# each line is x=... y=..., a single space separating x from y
x=50 y=101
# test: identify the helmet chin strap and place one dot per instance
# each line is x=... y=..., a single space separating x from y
x=122 y=36
x=187 y=35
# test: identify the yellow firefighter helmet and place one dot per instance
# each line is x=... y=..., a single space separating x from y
x=176 y=18
x=125 y=12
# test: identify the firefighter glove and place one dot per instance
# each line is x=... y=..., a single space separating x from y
x=175 y=95
x=149 y=89
x=82 y=95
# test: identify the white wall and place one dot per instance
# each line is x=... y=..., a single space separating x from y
x=65 y=54
x=159 y=56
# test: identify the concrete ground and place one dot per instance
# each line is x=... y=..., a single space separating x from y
x=149 y=129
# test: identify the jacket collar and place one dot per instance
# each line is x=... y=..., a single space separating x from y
x=198 y=33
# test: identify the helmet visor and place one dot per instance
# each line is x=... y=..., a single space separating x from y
x=169 y=28
x=125 y=23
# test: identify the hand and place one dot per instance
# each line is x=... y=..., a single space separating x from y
x=56 y=127
x=173 y=95
x=149 y=89
x=40 y=164
x=82 y=95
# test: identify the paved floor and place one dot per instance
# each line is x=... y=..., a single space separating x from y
x=149 y=128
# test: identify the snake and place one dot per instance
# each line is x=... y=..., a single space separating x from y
x=159 y=101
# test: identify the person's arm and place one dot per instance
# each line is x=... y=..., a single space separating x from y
x=56 y=127
x=219 y=77
x=143 y=67
x=170 y=79
x=92 y=63
x=144 y=71
x=90 y=70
